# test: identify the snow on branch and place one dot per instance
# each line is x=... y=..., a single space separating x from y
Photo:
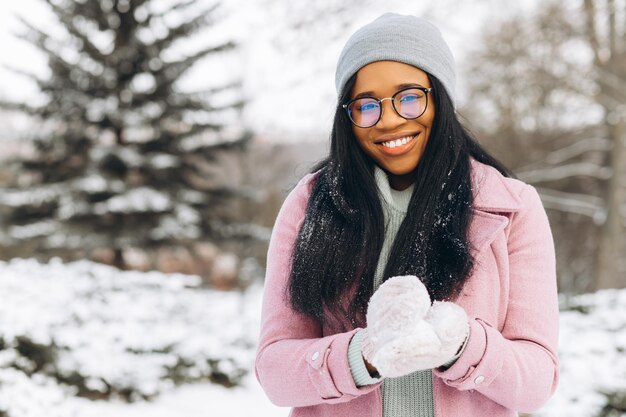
x=142 y=199
x=584 y=204
x=566 y=171
x=578 y=148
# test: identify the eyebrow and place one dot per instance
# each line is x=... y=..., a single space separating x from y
x=398 y=87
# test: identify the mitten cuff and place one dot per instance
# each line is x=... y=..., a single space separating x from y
x=367 y=347
x=457 y=356
x=359 y=371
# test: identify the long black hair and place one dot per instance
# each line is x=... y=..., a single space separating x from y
x=339 y=244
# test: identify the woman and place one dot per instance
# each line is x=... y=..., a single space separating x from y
x=408 y=274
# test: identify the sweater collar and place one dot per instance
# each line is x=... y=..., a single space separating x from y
x=398 y=200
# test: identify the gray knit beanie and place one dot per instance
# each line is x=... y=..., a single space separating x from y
x=395 y=37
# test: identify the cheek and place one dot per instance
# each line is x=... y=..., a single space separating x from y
x=430 y=117
x=427 y=124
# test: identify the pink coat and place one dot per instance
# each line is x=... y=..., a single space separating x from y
x=510 y=362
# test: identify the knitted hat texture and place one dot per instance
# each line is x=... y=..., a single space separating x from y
x=394 y=37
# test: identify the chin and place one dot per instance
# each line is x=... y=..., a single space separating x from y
x=400 y=170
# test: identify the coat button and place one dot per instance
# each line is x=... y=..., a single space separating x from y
x=315 y=356
x=479 y=379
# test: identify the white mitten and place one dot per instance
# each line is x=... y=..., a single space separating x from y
x=404 y=334
x=450 y=322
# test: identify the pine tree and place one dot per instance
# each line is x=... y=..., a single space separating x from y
x=122 y=157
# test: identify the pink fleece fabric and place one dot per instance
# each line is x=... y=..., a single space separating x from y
x=510 y=363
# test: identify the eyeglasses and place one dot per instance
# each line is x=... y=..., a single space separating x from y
x=409 y=103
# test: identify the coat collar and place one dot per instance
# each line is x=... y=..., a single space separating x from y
x=493 y=197
x=492 y=193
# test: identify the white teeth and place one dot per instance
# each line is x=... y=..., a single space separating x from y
x=398 y=142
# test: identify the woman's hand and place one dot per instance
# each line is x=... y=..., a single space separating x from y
x=405 y=333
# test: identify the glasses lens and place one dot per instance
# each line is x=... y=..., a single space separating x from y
x=364 y=112
x=410 y=103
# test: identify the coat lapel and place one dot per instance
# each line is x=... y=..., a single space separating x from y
x=493 y=199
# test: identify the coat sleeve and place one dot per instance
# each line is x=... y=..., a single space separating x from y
x=518 y=367
x=294 y=364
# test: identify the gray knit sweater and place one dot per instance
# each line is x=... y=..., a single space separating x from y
x=410 y=395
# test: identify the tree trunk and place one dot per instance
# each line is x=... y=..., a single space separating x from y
x=610 y=264
x=118 y=259
x=609 y=61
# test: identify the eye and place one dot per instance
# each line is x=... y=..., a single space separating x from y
x=368 y=106
x=408 y=98
x=365 y=105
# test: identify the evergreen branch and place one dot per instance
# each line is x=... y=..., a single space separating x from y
x=67 y=19
x=194 y=103
x=199 y=128
x=174 y=8
x=185 y=29
x=38 y=39
x=96 y=14
x=237 y=144
x=21 y=107
x=202 y=95
x=94 y=11
x=217 y=89
x=178 y=108
x=173 y=70
x=61 y=70
x=233 y=105
x=34 y=36
x=39 y=81
x=138 y=3
x=186 y=100
x=205 y=151
x=237 y=105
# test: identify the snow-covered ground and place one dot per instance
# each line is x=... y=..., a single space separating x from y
x=86 y=328
x=128 y=335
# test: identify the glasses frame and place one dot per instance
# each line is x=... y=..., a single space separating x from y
x=426 y=90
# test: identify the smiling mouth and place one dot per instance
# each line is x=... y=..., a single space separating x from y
x=399 y=146
x=397 y=142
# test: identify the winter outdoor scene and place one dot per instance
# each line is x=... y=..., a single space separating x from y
x=147 y=146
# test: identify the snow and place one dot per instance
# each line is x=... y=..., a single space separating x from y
x=143 y=83
x=123 y=329
x=141 y=199
x=183 y=224
x=591 y=350
x=29 y=231
x=121 y=334
x=198 y=400
x=39 y=196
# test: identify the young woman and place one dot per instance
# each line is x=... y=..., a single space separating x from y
x=408 y=274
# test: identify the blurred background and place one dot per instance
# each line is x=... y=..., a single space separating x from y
x=147 y=145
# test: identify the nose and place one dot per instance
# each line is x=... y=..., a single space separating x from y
x=389 y=118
